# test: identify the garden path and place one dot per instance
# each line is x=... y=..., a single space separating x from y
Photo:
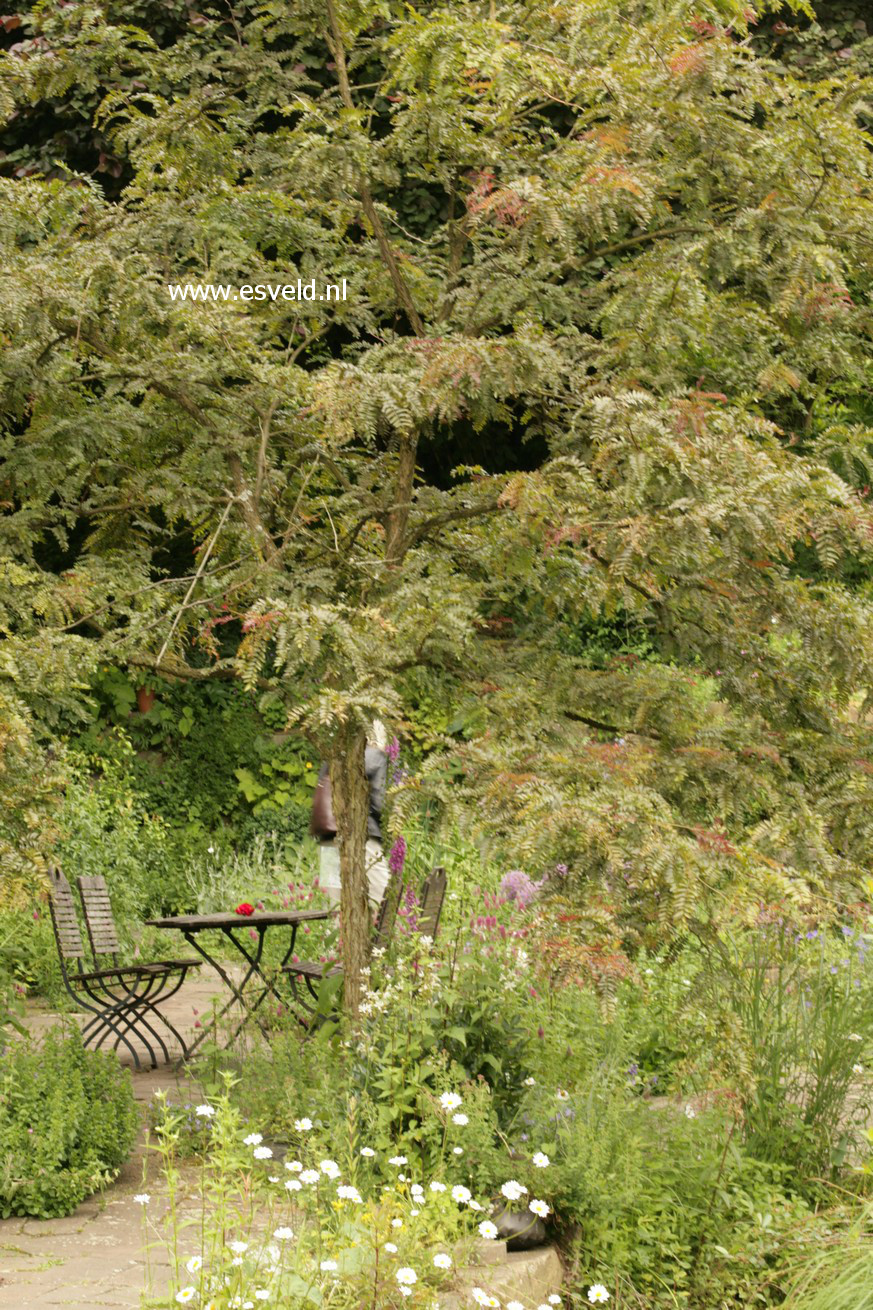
x=97 y=1257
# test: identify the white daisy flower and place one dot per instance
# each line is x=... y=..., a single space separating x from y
x=294 y=1165
x=442 y=1261
x=514 y=1305
x=857 y=1068
x=597 y=1294
x=283 y=1234
x=530 y=1082
x=141 y=1198
x=367 y=1151
x=396 y=1223
x=460 y=1119
x=398 y=1160
x=346 y=1192
x=253 y=1139
x=539 y=1208
x=561 y=1095
x=262 y=1294
x=328 y=1266
x=450 y=1100
x=513 y=1191
x=195 y=1264
x=461 y=1194
x=309 y=1176
x=203 y=1112
x=185 y=1295
x=238 y=1248
x=554 y=1299
x=389 y=1246
x=541 y=1160
x=457 y=1150
x=293 y=1185
x=854 y=1037
x=488 y=1230
x=406 y=1276
x=303 y=1125
x=263 y=1153
x=330 y=1168
x=437 y=1186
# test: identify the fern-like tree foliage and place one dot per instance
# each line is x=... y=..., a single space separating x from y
x=606 y=241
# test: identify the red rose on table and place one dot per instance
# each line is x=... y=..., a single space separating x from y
x=245 y=909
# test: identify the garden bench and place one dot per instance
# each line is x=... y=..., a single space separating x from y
x=122 y=998
x=431 y=897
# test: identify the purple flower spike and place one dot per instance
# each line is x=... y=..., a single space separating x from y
x=397 y=857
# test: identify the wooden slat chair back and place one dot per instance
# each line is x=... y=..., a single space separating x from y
x=433 y=893
x=121 y=1000
x=64 y=918
x=99 y=920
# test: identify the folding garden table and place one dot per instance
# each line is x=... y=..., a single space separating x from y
x=234 y=927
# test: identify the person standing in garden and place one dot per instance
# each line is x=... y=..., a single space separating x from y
x=323 y=824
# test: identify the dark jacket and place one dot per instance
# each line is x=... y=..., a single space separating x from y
x=323 y=824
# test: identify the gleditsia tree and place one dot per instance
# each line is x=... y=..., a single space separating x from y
x=616 y=233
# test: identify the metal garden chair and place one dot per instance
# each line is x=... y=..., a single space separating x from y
x=121 y=998
x=427 y=915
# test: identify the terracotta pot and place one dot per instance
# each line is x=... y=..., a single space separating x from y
x=145 y=699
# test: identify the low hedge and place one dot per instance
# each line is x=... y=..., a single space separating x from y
x=68 y=1121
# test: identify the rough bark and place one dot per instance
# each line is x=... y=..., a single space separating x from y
x=350 y=794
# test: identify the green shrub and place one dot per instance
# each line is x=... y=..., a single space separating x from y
x=68 y=1121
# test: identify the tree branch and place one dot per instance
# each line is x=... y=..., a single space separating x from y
x=401 y=290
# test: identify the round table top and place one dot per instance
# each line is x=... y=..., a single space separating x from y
x=229 y=919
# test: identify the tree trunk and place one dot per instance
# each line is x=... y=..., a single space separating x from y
x=351 y=801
